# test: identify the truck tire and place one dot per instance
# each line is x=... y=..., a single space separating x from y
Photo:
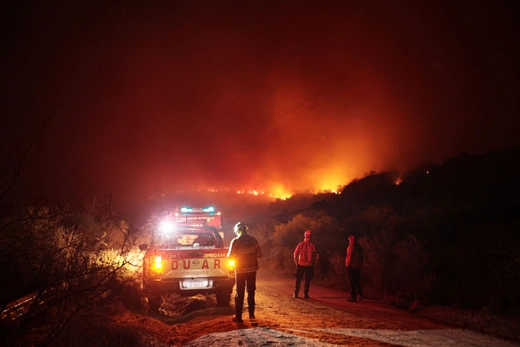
x=224 y=295
x=153 y=297
x=154 y=302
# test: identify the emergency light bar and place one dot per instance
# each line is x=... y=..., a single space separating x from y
x=209 y=209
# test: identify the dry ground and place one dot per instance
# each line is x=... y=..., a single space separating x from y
x=182 y=320
x=185 y=319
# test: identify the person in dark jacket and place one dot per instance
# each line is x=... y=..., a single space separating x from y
x=246 y=251
x=305 y=257
x=353 y=262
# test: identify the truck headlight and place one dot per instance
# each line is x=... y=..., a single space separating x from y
x=158 y=265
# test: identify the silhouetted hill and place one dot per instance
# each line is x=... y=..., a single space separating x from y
x=488 y=181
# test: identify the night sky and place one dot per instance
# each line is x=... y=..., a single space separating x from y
x=150 y=98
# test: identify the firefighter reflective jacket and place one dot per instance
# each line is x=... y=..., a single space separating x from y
x=246 y=251
x=354 y=259
x=305 y=254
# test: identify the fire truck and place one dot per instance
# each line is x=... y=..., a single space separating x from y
x=187 y=255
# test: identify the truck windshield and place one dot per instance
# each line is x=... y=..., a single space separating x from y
x=184 y=239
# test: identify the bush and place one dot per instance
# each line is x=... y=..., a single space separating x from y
x=279 y=241
x=414 y=283
x=70 y=261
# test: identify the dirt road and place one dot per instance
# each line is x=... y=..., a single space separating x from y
x=324 y=320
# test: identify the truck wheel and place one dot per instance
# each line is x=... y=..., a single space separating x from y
x=153 y=299
x=154 y=303
x=224 y=296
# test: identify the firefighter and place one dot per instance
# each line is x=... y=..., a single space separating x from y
x=353 y=263
x=246 y=251
x=305 y=257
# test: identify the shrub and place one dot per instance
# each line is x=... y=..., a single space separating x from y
x=64 y=259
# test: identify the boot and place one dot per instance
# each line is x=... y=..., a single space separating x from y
x=295 y=294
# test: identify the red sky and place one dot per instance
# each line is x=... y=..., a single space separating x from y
x=273 y=96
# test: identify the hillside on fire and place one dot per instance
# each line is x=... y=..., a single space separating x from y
x=444 y=234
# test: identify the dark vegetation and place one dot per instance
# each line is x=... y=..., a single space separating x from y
x=66 y=262
x=444 y=234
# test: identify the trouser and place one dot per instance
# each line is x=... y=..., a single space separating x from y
x=354 y=277
x=243 y=280
x=301 y=271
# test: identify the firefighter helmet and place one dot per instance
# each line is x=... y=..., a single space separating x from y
x=241 y=228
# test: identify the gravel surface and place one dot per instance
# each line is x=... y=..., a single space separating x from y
x=325 y=319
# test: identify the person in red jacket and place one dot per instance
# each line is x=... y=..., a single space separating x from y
x=353 y=262
x=305 y=257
